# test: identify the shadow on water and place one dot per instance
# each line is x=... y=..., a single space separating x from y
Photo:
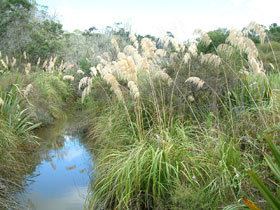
x=61 y=179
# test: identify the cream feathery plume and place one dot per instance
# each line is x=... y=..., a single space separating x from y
x=160 y=53
x=186 y=58
x=196 y=81
x=51 y=65
x=115 y=44
x=4 y=64
x=205 y=38
x=105 y=70
x=134 y=91
x=99 y=67
x=115 y=86
x=14 y=61
x=259 y=29
x=7 y=60
x=80 y=72
x=193 y=49
x=175 y=44
x=70 y=66
x=244 y=44
x=27 y=90
x=162 y=75
x=225 y=49
x=211 y=59
x=45 y=64
x=121 y=56
x=1 y=102
x=27 y=68
x=148 y=47
x=62 y=66
x=130 y=50
x=24 y=55
x=86 y=92
x=93 y=71
x=68 y=78
x=190 y=98
x=102 y=60
x=256 y=66
x=145 y=64
x=84 y=82
x=126 y=68
x=54 y=60
x=87 y=83
x=38 y=61
x=132 y=38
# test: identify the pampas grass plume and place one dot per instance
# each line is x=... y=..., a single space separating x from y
x=68 y=78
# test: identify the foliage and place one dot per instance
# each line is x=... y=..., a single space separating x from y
x=199 y=106
x=17 y=118
x=274 y=32
x=217 y=37
x=48 y=97
x=143 y=177
x=274 y=165
x=46 y=40
x=174 y=125
x=12 y=11
x=25 y=26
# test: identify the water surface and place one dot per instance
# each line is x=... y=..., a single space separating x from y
x=61 y=179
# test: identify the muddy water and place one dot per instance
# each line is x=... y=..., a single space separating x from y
x=61 y=179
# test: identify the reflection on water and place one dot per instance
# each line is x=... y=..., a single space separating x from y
x=60 y=181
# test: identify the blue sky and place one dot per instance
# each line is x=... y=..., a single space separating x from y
x=158 y=16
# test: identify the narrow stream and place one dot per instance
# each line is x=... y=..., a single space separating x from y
x=61 y=179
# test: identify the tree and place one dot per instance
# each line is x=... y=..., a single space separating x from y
x=217 y=37
x=45 y=39
x=25 y=26
x=12 y=11
x=274 y=32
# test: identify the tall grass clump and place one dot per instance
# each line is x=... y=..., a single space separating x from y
x=17 y=118
x=41 y=86
x=49 y=97
x=165 y=102
x=141 y=177
x=30 y=96
x=273 y=162
x=16 y=128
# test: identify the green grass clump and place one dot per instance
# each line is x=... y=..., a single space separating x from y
x=20 y=114
x=273 y=162
x=16 y=117
x=208 y=157
x=140 y=178
x=16 y=128
x=48 y=97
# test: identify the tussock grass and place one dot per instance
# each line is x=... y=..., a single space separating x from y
x=209 y=111
x=27 y=102
x=49 y=97
x=172 y=125
x=140 y=177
